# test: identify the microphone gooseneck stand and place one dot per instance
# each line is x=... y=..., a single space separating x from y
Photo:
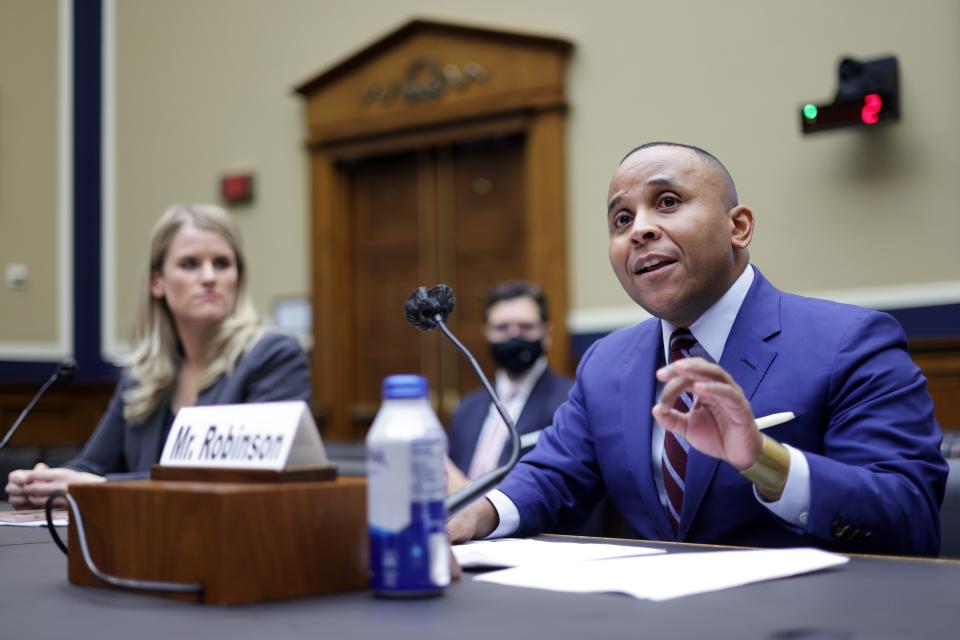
x=427 y=310
x=65 y=370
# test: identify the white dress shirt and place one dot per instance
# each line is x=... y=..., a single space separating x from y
x=711 y=331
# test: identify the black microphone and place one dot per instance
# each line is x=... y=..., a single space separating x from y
x=66 y=369
x=427 y=310
x=422 y=307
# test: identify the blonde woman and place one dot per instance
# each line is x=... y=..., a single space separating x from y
x=198 y=341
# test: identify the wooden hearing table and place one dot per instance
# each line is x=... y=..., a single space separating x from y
x=869 y=598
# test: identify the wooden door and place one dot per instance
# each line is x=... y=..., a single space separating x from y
x=437 y=154
x=448 y=214
x=486 y=242
x=385 y=228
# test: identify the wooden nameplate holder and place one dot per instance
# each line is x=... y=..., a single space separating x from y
x=246 y=536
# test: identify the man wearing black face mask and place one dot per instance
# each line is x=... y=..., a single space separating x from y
x=518 y=331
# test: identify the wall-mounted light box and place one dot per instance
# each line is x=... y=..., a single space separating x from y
x=868 y=93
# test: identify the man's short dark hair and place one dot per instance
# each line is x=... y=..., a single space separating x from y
x=703 y=153
x=513 y=289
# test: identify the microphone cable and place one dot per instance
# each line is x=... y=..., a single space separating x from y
x=121 y=583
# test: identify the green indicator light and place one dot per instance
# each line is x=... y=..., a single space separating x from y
x=810 y=111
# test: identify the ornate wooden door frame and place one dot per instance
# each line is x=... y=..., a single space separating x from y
x=427 y=84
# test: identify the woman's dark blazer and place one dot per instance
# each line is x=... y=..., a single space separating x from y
x=274 y=369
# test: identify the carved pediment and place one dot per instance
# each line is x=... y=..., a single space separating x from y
x=427 y=73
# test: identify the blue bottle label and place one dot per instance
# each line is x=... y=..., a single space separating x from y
x=408 y=541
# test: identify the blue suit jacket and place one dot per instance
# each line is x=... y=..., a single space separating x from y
x=547 y=394
x=864 y=422
x=274 y=369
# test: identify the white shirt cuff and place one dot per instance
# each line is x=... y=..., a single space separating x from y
x=794 y=503
x=507 y=511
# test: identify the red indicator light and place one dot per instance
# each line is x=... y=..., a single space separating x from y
x=237 y=188
x=870 y=113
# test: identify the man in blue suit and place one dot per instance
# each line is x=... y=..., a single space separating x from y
x=662 y=414
x=517 y=328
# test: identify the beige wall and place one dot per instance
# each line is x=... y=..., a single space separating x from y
x=29 y=230
x=202 y=88
x=838 y=210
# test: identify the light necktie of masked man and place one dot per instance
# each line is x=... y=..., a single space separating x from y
x=492 y=437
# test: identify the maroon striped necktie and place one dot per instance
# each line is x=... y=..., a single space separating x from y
x=673 y=463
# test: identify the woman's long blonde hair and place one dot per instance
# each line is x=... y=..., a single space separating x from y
x=157 y=352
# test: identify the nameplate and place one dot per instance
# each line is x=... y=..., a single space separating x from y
x=264 y=435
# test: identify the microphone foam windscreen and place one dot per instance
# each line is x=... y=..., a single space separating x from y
x=423 y=306
x=445 y=300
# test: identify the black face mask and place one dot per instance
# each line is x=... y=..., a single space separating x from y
x=516 y=355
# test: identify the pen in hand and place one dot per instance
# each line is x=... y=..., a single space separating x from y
x=774 y=419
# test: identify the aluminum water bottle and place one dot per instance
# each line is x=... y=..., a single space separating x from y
x=405 y=492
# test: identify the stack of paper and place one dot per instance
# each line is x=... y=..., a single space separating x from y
x=661 y=577
x=515 y=552
x=33 y=518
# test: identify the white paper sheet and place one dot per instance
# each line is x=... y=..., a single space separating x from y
x=515 y=552
x=32 y=518
x=668 y=576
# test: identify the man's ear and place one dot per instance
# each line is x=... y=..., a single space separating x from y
x=547 y=336
x=741 y=226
